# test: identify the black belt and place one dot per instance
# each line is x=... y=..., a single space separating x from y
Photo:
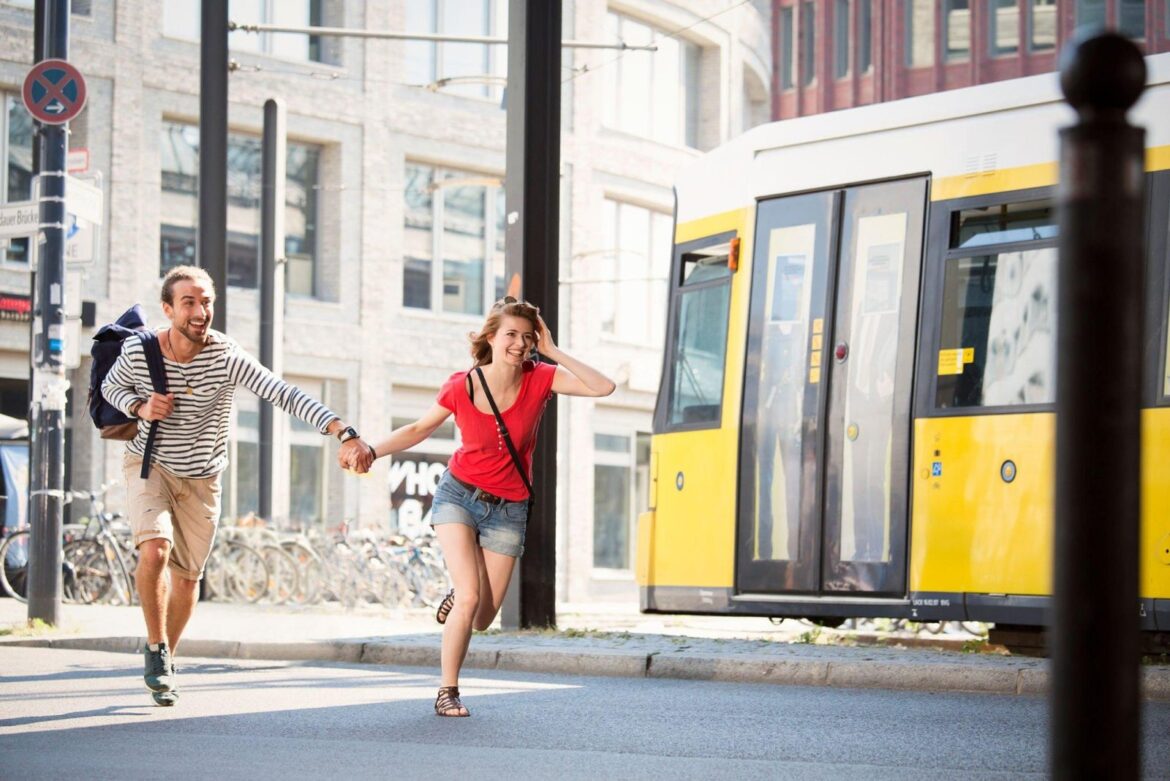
x=479 y=494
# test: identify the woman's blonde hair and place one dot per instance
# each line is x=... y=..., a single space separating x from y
x=481 y=351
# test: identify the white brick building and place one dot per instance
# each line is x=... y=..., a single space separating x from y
x=390 y=264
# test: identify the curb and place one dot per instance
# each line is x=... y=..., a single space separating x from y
x=726 y=668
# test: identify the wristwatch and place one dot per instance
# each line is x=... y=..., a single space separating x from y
x=346 y=434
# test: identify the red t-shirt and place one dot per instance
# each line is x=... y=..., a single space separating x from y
x=483 y=459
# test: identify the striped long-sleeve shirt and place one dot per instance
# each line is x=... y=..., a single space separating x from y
x=192 y=441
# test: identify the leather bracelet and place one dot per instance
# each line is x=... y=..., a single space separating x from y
x=373 y=450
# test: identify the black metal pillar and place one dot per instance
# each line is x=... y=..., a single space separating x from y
x=50 y=385
x=532 y=192
x=271 y=281
x=1095 y=701
x=213 y=133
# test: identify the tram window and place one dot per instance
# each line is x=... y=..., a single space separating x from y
x=696 y=391
x=705 y=266
x=1004 y=223
x=997 y=343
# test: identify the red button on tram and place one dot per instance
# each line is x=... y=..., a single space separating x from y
x=842 y=351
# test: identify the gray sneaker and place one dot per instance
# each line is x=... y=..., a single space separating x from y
x=171 y=696
x=159 y=669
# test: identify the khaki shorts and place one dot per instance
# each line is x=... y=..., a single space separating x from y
x=183 y=511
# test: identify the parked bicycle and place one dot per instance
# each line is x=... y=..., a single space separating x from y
x=94 y=558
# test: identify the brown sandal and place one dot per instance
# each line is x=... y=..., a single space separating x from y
x=445 y=607
x=447 y=703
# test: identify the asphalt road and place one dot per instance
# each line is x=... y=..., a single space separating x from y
x=87 y=715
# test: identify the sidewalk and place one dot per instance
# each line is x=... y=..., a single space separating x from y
x=591 y=640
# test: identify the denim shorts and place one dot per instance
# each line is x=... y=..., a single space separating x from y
x=498 y=527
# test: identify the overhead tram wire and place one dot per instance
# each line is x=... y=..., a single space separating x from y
x=344 y=32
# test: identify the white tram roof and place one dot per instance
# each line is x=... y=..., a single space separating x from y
x=963 y=132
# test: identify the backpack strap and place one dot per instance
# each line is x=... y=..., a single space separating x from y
x=152 y=350
x=507 y=437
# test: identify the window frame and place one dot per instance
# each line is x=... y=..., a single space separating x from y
x=662 y=408
x=788 y=76
x=313 y=207
x=647 y=256
x=687 y=75
x=938 y=256
x=495 y=58
x=1030 y=29
x=1157 y=358
x=493 y=196
x=993 y=50
x=944 y=31
x=628 y=460
x=7 y=99
x=316 y=19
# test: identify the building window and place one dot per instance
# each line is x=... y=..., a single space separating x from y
x=241 y=489
x=621 y=467
x=919 y=33
x=864 y=35
x=957 y=28
x=787 y=49
x=1041 y=25
x=16 y=134
x=182 y=19
x=307 y=459
x=653 y=94
x=1090 y=13
x=307 y=453
x=808 y=47
x=637 y=259
x=447 y=216
x=77 y=7
x=428 y=62
x=841 y=39
x=1131 y=20
x=180 y=207
x=1004 y=35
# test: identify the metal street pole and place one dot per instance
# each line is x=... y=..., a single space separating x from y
x=1095 y=704
x=532 y=261
x=50 y=384
x=213 y=133
x=271 y=280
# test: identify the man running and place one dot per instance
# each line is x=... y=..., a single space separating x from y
x=174 y=511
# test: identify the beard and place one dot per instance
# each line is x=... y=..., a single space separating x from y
x=191 y=334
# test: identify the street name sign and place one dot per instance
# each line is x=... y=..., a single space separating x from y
x=20 y=218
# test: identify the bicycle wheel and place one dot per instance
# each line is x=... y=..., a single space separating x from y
x=311 y=573
x=246 y=574
x=122 y=591
x=284 y=575
x=429 y=582
x=88 y=576
x=14 y=554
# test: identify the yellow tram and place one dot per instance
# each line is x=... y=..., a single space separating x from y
x=856 y=414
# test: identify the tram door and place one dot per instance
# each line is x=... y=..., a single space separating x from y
x=825 y=442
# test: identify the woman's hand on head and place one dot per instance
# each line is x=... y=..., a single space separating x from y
x=544 y=341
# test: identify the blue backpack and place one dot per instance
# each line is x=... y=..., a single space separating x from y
x=107 y=346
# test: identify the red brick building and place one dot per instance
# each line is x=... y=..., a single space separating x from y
x=831 y=54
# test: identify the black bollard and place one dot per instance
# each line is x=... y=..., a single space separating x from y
x=1095 y=698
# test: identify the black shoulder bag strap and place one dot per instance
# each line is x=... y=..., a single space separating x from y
x=507 y=437
x=152 y=350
